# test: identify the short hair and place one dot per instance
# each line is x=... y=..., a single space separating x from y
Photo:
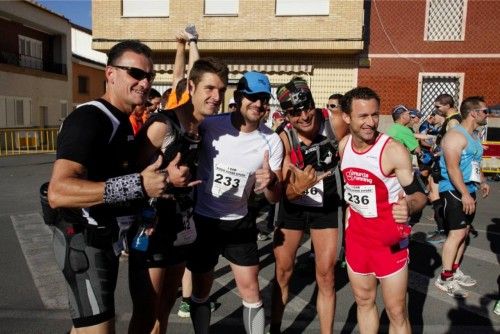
x=128 y=45
x=336 y=97
x=153 y=93
x=208 y=65
x=358 y=93
x=469 y=104
x=445 y=99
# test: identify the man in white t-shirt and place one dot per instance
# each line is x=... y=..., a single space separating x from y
x=239 y=156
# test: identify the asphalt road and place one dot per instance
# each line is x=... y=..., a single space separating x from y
x=33 y=298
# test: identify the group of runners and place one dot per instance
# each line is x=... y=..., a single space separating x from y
x=183 y=184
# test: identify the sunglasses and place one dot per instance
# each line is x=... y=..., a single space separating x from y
x=264 y=98
x=137 y=73
x=296 y=112
x=332 y=106
x=485 y=111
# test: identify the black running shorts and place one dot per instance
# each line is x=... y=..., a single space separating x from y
x=294 y=217
x=454 y=216
x=235 y=240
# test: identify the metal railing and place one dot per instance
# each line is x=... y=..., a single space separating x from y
x=27 y=141
x=17 y=59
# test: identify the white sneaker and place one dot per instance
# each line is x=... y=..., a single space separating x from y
x=191 y=32
x=462 y=279
x=451 y=287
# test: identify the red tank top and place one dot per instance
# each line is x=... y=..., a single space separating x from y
x=370 y=194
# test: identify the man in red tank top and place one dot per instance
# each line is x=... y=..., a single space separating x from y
x=377 y=173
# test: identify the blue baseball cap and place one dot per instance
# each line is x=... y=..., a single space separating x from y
x=415 y=113
x=254 y=83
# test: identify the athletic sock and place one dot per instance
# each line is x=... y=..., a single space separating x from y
x=454 y=267
x=437 y=206
x=446 y=275
x=254 y=318
x=200 y=315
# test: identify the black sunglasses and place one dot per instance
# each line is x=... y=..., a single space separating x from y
x=264 y=98
x=137 y=73
x=295 y=112
x=485 y=111
x=331 y=106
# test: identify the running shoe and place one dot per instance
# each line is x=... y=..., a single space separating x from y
x=451 y=287
x=184 y=310
x=462 y=279
x=436 y=237
x=496 y=309
x=263 y=236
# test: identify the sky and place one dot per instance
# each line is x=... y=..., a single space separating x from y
x=77 y=11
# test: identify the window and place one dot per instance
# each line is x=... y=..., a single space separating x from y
x=15 y=111
x=30 y=52
x=434 y=84
x=83 y=84
x=64 y=109
x=445 y=20
x=221 y=7
x=302 y=8
x=145 y=8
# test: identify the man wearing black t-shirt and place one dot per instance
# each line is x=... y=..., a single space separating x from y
x=94 y=190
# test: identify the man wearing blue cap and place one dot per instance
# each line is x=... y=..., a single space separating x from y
x=239 y=155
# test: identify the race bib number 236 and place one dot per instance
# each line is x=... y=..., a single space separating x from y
x=362 y=199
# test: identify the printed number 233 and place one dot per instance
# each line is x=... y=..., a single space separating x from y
x=227 y=181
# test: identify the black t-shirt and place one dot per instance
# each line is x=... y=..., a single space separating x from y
x=87 y=136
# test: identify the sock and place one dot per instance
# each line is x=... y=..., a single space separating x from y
x=437 y=206
x=455 y=267
x=275 y=328
x=254 y=318
x=446 y=275
x=200 y=315
x=186 y=299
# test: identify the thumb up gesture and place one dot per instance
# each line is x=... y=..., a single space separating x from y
x=264 y=176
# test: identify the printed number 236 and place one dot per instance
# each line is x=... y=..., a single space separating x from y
x=227 y=181
x=357 y=199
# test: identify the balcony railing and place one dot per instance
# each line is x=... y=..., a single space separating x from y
x=27 y=141
x=24 y=61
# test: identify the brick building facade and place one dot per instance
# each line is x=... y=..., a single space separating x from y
x=321 y=46
x=407 y=64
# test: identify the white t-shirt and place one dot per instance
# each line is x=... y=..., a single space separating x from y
x=227 y=165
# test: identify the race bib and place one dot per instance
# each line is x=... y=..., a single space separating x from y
x=362 y=199
x=312 y=197
x=475 y=174
x=229 y=182
x=187 y=235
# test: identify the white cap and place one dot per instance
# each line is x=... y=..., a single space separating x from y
x=231 y=101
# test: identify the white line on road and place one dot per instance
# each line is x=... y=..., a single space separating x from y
x=35 y=239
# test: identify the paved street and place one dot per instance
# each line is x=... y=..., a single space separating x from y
x=33 y=299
